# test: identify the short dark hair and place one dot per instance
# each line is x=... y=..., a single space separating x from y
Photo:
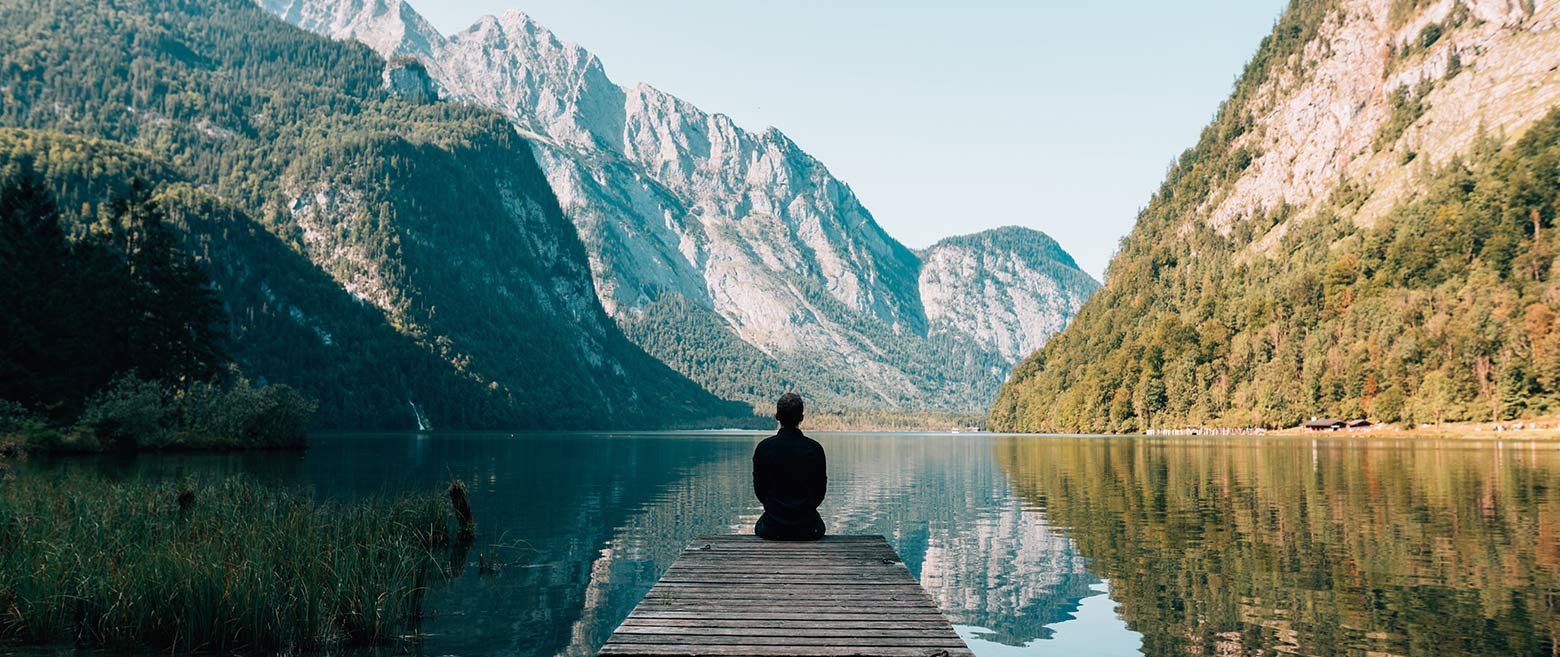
x=789 y=409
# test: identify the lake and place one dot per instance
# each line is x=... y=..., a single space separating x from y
x=1077 y=546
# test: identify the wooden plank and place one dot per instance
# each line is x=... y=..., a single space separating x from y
x=757 y=563
x=735 y=596
x=732 y=603
x=894 y=573
x=790 y=588
x=810 y=624
x=644 y=650
x=883 y=577
x=739 y=599
x=790 y=602
x=813 y=632
x=716 y=590
x=951 y=641
x=811 y=629
x=787 y=596
x=826 y=611
x=839 y=611
x=800 y=547
x=885 y=590
x=831 y=538
x=760 y=544
x=750 y=566
x=766 y=582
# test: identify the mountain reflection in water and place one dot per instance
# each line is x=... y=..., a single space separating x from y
x=1310 y=547
x=1209 y=548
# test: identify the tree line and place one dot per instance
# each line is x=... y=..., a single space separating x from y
x=117 y=333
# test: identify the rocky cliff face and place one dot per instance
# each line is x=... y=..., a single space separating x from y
x=750 y=230
x=408 y=79
x=1009 y=289
x=1364 y=230
x=1383 y=82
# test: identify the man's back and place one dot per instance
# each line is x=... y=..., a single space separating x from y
x=790 y=476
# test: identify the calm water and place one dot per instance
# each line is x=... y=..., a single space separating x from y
x=1032 y=545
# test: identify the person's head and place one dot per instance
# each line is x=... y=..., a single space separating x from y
x=789 y=410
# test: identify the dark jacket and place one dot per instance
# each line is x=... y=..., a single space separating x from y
x=789 y=477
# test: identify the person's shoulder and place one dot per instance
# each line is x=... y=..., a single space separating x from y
x=767 y=442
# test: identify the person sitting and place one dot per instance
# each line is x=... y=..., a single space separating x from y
x=789 y=478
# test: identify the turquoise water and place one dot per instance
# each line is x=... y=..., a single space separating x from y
x=1033 y=546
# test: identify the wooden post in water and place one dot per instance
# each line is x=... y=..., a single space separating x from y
x=462 y=504
x=843 y=596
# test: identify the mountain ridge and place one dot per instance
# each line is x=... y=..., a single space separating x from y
x=427 y=231
x=1363 y=230
x=748 y=230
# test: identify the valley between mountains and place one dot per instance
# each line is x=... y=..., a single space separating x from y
x=484 y=230
x=734 y=256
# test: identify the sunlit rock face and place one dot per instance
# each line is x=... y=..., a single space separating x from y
x=1490 y=68
x=1008 y=289
x=409 y=80
x=671 y=200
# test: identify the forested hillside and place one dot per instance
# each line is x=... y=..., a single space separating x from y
x=1366 y=229
x=373 y=250
x=735 y=256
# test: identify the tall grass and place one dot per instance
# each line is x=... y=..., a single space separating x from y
x=228 y=565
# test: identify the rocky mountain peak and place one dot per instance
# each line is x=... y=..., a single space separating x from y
x=1009 y=288
x=673 y=202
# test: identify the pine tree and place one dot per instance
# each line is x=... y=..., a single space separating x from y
x=33 y=253
x=64 y=303
x=175 y=315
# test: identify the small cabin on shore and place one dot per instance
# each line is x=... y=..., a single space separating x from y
x=1324 y=425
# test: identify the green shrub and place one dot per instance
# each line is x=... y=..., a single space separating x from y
x=130 y=413
x=267 y=416
x=243 y=415
x=14 y=417
x=135 y=414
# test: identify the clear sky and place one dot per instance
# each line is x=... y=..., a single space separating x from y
x=945 y=118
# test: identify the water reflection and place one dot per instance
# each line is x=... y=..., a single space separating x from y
x=1231 y=548
x=1251 y=547
x=1311 y=548
x=591 y=521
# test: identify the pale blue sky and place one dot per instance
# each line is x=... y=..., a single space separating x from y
x=945 y=118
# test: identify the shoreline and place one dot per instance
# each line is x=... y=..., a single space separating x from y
x=1541 y=428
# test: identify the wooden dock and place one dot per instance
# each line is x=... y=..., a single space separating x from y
x=731 y=596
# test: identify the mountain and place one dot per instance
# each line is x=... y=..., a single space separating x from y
x=695 y=226
x=1365 y=229
x=392 y=256
x=1008 y=288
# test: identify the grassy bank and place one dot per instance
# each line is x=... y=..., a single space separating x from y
x=230 y=566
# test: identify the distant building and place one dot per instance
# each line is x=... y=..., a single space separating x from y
x=1324 y=425
x=1359 y=424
